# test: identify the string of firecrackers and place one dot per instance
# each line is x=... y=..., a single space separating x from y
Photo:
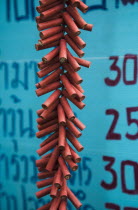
x=59 y=24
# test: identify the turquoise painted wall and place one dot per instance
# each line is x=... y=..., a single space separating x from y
x=108 y=174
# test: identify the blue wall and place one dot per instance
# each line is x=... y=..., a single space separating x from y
x=108 y=174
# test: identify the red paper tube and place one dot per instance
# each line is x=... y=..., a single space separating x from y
x=45 y=72
x=73 y=129
x=63 y=51
x=76 y=16
x=43 y=192
x=51 y=39
x=46 y=131
x=70 y=23
x=72 y=165
x=74 y=75
x=40 y=20
x=64 y=168
x=88 y=27
x=52 y=98
x=49 y=139
x=68 y=86
x=83 y=62
x=51 y=12
x=41 y=169
x=53 y=159
x=79 y=104
x=42 y=47
x=48 y=2
x=63 y=192
x=79 y=124
x=73 y=45
x=73 y=199
x=66 y=152
x=49 y=24
x=75 y=3
x=50 y=32
x=39 y=112
x=47 y=124
x=78 y=87
x=81 y=44
x=58 y=178
x=67 y=108
x=74 y=141
x=63 y=205
x=44 y=183
x=51 y=55
x=61 y=115
x=56 y=166
x=50 y=78
x=39 y=47
x=53 y=192
x=44 y=175
x=42 y=162
x=72 y=61
x=62 y=137
x=56 y=79
x=43 y=8
x=52 y=62
x=75 y=156
x=80 y=96
x=47 y=155
x=41 y=65
x=48 y=88
x=47 y=147
x=45 y=207
x=83 y=7
x=74 y=84
x=68 y=67
x=48 y=70
x=49 y=110
x=51 y=116
x=55 y=203
x=37 y=85
x=58 y=15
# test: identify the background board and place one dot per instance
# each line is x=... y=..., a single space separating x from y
x=108 y=174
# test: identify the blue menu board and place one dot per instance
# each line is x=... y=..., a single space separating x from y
x=107 y=177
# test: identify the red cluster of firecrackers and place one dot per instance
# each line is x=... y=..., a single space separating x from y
x=60 y=24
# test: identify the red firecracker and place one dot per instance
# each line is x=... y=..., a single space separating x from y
x=60 y=25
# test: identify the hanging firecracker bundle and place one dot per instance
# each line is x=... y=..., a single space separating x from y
x=60 y=25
